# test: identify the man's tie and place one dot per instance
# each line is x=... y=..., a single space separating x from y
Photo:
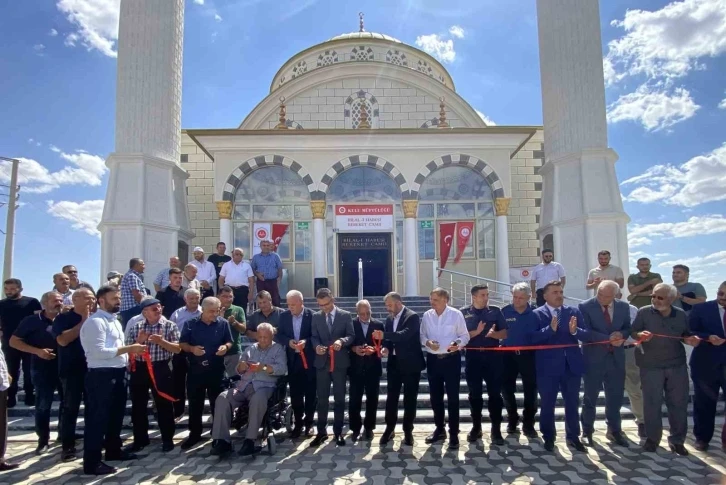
x=606 y=315
x=330 y=322
x=557 y=316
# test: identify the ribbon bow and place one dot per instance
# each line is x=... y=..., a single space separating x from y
x=377 y=343
x=300 y=348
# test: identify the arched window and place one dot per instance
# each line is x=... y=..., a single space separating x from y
x=364 y=184
x=456 y=193
x=358 y=103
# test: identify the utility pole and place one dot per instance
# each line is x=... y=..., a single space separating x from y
x=10 y=226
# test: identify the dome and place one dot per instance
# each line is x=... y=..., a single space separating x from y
x=365 y=35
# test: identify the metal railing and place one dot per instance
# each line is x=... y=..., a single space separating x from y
x=360 y=279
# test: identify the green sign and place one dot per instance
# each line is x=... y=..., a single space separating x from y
x=427 y=224
x=303 y=225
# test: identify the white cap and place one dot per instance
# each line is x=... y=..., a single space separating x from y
x=198 y=249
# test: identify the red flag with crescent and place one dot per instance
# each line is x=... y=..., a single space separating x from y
x=278 y=232
x=447 y=230
x=463 y=232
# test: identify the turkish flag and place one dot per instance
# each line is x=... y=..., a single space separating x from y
x=278 y=232
x=447 y=230
x=463 y=231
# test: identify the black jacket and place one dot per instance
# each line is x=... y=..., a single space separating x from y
x=285 y=333
x=406 y=341
x=370 y=364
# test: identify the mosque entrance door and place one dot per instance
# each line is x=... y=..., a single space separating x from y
x=374 y=250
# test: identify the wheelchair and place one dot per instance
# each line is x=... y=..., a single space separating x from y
x=278 y=415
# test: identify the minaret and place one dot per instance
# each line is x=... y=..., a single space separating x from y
x=582 y=210
x=146 y=214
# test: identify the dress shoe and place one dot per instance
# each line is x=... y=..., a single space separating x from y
x=453 y=441
x=438 y=435
x=68 y=455
x=319 y=440
x=368 y=435
x=178 y=417
x=167 y=446
x=679 y=449
x=576 y=444
x=339 y=440
x=30 y=399
x=530 y=432
x=408 y=439
x=641 y=431
x=649 y=446
x=512 y=428
x=137 y=446
x=12 y=402
x=497 y=438
x=474 y=435
x=42 y=449
x=549 y=445
x=387 y=436
x=296 y=432
x=701 y=445
x=355 y=436
x=618 y=438
x=6 y=467
x=190 y=442
x=221 y=448
x=248 y=448
x=587 y=440
x=121 y=455
x=100 y=469
x=309 y=432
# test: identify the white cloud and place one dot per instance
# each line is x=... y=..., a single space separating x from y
x=39 y=49
x=441 y=49
x=96 y=23
x=667 y=43
x=707 y=270
x=456 y=31
x=655 y=109
x=33 y=177
x=217 y=17
x=644 y=234
x=35 y=142
x=199 y=2
x=722 y=104
x=54 y=148
x=53 y=32
x=701 y=179
x=84 y=216
x=487 y=120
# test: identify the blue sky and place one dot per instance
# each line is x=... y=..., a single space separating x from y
x=665 y=69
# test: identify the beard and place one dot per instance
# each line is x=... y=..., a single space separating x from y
x=115 y=308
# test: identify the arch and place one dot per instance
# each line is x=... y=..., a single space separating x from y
x=357 y=102
x=358 y=161
x=460 y=159
x=239 y=174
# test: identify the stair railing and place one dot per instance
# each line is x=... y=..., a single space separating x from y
x=360 y=279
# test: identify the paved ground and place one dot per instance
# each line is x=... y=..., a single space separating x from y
x=518 y=462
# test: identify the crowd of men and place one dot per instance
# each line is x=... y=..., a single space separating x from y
x=196 y=340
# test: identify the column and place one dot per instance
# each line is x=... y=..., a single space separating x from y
x=410 y=248
x=226 y=235
x=501 y=206
x=320 y=239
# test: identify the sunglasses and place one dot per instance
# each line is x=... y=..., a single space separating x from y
x=71 y=272
x=656 y=297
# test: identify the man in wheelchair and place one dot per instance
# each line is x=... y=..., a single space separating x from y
x=260 y=366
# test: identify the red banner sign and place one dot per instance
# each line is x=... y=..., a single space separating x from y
x=463 y=232
x=278 y=232
x=447 y=230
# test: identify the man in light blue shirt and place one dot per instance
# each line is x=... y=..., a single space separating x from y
x=162 y=278
x=102 y=340
x=179 y=363
x=267 y=266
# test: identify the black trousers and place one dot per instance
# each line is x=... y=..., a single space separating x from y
x=139 y=387
x=360 y=383
x=73 y=392
x=487 y=367
x=14 y=358
x=106 y=404
x=444 y=375
x=324 y=378
x=180 y=367
x=397 y=380
x=203 y=381
x=303 y=392
x=241 y=293
x=46 y=382
x=540 y=297
x=706 y=384
x=520 y=364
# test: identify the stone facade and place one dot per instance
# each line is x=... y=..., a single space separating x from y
x=203 y=214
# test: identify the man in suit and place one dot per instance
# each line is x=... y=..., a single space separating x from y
x=294 y=332
x=708 y=366
x=559 y=370
x=332 y=333
x=402 y=338
x=365 y=372
x=605 y=319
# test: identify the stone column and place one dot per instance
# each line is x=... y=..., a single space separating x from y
x=226 y=233
x=501 y=206
x=320 y=239
x=410 y=248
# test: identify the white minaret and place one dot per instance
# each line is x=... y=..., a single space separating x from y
x=582 y=210
x=146 y=214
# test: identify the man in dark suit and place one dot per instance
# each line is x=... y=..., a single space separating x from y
x=332 y=336
x=605 y=319
x=294 y=332
x=365 y=372
x=402 y=338
x=708 y=366
x=559 y=370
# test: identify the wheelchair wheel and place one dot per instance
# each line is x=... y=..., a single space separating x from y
x=287 y=419
x=271 y=444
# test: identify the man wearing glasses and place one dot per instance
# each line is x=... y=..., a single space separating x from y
x=662 y=365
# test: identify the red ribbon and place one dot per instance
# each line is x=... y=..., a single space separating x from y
x=300 y=348
x=565 y=346
x=377 y=343
x=146 y=357
x=331 y=352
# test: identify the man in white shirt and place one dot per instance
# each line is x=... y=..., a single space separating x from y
x=546 y=271
x=238 y=275
x=206 y=274
x=103 y=341
x=604 y=271
x=444 y=334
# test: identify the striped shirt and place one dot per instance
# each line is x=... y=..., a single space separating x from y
x=131 y=281
x=166 y=328
x=4 y=376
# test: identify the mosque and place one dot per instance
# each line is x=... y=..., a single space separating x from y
x=364 y=152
